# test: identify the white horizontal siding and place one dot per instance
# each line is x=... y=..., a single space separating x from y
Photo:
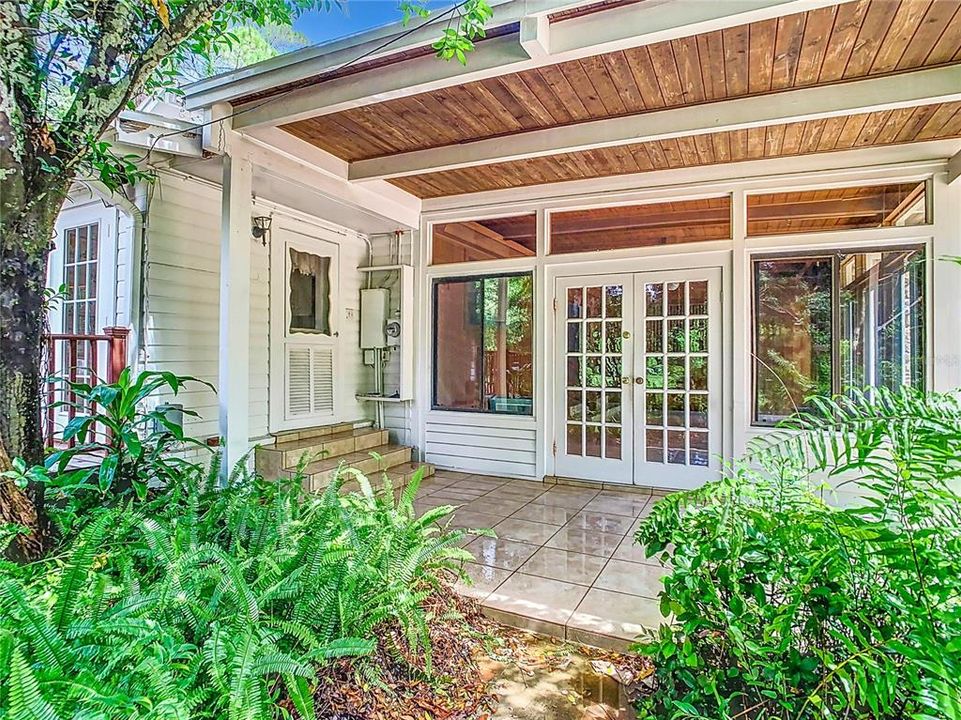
x=182 y=295
x=482 y=443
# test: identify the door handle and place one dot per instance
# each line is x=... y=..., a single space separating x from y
x=625 y=380
x=639 y=380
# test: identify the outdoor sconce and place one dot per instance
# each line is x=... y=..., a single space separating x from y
x=261 y=228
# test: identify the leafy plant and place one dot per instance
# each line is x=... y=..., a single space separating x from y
x=787 y=607
x=120 y=445
x=204 y=601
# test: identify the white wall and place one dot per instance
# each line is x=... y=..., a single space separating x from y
x=182 y=285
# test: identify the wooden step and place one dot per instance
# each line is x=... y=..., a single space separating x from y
x=270 y=460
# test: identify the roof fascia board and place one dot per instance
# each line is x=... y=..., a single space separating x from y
x=588 y=35
x=395 y=38
x=922 y=87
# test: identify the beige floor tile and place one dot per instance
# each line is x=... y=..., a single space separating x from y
x=458 y=495
x=485 y=579
x=632 y=578
x=616 y=614
x=565 y=565
x=451 y=474
x=520 y=492
x=479 y=483
x=474 y=520
x=525 y=531
x=590 y=542
x=574 y=498
x=535 y=597
x=494 y=506
x=634 y=552
x=588 y=519
x=617 y=503
x=500 y=553
x=550 y=514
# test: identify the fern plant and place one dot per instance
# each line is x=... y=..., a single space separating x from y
x=204 y=601
x=786 y=606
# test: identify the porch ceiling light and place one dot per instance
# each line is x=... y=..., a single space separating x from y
x=261 y=228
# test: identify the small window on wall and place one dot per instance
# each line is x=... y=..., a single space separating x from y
x=638 y=226
x=483 y=344
x=494 y=239
x=871 y=206
x=827 y=323
x=309 y=284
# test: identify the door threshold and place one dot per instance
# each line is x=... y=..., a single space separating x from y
x=597 y=484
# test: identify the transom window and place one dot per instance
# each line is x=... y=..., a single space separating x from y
x=483 y=344
x=829 y=322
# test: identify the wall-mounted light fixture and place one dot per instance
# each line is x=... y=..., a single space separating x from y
x=261 y=228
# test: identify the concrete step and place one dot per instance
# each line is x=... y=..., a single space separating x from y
x=317 y=475
x=287 y=454
x=399 y=476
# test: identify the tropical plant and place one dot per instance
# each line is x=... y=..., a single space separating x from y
x=203 y=601
x=786 y=606
x=115 y=444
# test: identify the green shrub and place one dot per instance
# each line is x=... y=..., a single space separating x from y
x=209 y=602
x=787 y=607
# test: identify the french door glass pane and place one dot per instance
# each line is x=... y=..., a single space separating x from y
x=595 y=344
x=676 y=364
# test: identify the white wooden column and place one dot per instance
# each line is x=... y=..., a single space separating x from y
x=234 y=347
x=738 y=411
x=945 y=296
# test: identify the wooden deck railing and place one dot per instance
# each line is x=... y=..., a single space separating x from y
x=80 y=358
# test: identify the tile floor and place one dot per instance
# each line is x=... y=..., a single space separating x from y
x=563 y=563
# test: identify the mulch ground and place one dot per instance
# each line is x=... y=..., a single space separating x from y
x=461 y=687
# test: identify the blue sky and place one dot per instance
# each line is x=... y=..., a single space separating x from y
x=355 y=16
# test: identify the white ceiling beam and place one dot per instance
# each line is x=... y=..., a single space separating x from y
x=954 y=168
x=922 y=87
x=594 y=34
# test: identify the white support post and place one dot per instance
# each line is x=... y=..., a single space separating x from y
x=944 y=304
x=954 y=168
x=234 y=344
x=740 y=374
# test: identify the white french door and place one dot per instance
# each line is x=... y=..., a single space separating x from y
x=639 y=378
x=304 y=336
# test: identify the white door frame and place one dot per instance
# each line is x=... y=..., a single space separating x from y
x=88 y=214
x=665 y=474
x=572 y=325
x=664 y=263
x=317 y=240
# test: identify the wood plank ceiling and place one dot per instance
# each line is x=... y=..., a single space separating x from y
x=843 y=42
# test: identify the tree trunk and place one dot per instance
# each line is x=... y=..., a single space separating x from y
x=30 y=199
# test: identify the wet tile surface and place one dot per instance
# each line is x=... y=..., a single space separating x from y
x=564 y=561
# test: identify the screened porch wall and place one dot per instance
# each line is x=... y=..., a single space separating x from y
x=534 y=437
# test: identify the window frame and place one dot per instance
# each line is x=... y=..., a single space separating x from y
x=436 y=282
x=834 y=256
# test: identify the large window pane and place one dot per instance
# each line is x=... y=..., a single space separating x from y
x=824 y=324
x=483 y=340
x=491 y=239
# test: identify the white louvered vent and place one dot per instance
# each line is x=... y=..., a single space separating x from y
x=323 y=381
x=310 y=381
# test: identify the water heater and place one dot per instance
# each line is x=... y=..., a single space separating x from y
x=374 y=307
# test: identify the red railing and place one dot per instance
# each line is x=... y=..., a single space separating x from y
x=80 y=358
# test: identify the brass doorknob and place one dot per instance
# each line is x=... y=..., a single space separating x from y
x=639 y=380
x=625 y=380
